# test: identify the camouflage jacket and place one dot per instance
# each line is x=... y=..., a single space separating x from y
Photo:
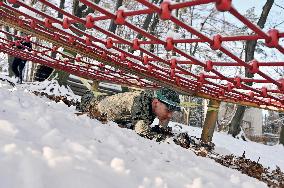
x=129 y=107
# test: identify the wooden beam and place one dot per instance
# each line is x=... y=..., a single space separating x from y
x=210 y=121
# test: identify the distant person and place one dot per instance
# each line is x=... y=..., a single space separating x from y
x=138 y=108
x=18 y=64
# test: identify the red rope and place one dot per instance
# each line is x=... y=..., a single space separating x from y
x=173 y=71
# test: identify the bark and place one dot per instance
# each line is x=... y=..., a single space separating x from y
x=10 y=61
x=147 y=22
x=249 y=55
x=83 y=10
x=152 y=30
x=113 y=26
x=61 y=6
x=193 y=50
x=30 y=74
x=79 y=11
x=61 y=76
x=148 y=19
x=281 y=139
x=176 y=27
x=43 y=72
x=146 y=26
x=10 y=58
x=235 y=126
x=33 y=2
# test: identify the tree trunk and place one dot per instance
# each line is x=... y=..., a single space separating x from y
x=42 y=72
x=176 y=26
x=32 y=66
x=235 y=126
x=61 y=6
x=79 y=11
x=249 y=55
x=83 y=10
x=61 y=76
x=113 y=26
x=146 y=23
x=281 y=139
x=193 y=50
x=152 y=30
x=33 y=2
x=10 y=58
x=10 y=61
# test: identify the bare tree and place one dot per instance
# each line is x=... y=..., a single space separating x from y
x=189 y=114
x=61 y=6
x=249 y=55
x=79 y=11
x=146 y=24
x=113 y=26
x=281 y=139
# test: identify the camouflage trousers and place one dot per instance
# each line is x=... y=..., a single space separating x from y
x=117 y=108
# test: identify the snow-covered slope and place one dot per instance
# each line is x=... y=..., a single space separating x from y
x=268 y=156
x=44 y=144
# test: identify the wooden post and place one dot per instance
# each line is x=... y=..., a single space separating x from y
x=210 y=121
x=95 y=86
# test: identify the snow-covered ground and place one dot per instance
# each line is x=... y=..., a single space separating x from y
x=268 y=156
x=44 y=144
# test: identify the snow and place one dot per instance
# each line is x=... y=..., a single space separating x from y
x=27 y=11
x=101 y=84
x=270 y=156
x=60 y=27
x=52 y=88
x=173 y=34
x=7 y=129
x=45 y=144
x=169 y=1
x=100 y=45
x=122 y=8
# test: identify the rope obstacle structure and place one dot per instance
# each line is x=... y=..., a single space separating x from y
x=105 y=56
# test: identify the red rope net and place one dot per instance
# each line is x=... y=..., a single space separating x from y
x=110 y=57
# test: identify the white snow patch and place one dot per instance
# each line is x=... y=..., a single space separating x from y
x=8 y=129
x=197 y=183
x=52 y=137
x=118 y=165
x=235 y=179
x=44 y=144
x=53 y=159
x=9 y=148
x=173 y=34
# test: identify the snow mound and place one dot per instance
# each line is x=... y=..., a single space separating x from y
x=45 y=144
